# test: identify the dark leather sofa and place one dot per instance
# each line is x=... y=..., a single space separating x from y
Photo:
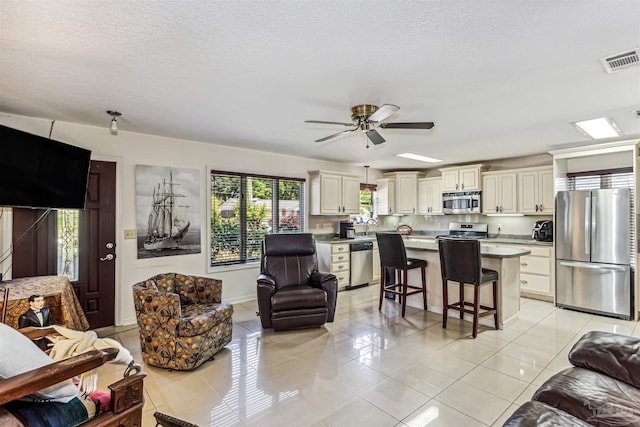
x=601 y=389
x=292 y=293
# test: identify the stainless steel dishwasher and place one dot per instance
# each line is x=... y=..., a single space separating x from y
x=361 y=264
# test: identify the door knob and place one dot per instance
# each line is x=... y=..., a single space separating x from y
x=109 y=245
x=109 y=257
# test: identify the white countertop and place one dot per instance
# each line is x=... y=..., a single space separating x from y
x=426 y=238
x=427 y=245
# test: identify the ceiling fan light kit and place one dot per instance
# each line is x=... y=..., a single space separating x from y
x=114 y=122
x=366 y=117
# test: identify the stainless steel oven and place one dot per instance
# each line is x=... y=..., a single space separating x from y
x=461 y=203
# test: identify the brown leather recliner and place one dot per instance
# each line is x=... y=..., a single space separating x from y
x=292 y=293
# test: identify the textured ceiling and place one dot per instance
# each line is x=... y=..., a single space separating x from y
x=499 y=78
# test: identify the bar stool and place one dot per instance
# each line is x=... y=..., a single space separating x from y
x=460 y=262
x=394 y=256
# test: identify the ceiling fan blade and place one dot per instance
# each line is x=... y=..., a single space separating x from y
x=329 y=123
x=382 y=113
x=413 y=125
x=375 y=137
x=326 y=138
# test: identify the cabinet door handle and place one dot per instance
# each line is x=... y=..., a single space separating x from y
x=500 y=208
x=536 y=208
x=456 y=186
x=524 y=282
x=524 y=264
x=340 y=257
x=540 y=208
x=462 y=186
x=413 y=210
x=496 y=209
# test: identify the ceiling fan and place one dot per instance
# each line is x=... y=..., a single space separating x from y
x=367 y=117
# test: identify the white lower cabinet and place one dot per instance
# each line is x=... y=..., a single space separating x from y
x=376 y=262
x=334 y=257
x=536 y=272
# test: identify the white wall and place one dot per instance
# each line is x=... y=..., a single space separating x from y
x=129 y=149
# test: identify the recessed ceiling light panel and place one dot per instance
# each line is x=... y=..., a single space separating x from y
x=418 y=157
x=599 y=128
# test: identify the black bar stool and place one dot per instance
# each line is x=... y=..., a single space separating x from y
x=394 y=256
x=460 y=262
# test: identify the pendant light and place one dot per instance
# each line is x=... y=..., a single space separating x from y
x=366 y=190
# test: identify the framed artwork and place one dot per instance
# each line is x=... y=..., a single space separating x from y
x=167 y=211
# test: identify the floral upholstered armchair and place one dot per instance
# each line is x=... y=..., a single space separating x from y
x=181 y=319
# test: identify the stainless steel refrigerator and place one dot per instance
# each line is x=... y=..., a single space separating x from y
x=593 y=251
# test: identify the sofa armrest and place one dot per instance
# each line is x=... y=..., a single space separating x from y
x=267 y=279
x=266 y=288
x=34 y=333
x=127 y=392
x=321 y=279
x=328 y=282
x=31 y=381
x=617 y=356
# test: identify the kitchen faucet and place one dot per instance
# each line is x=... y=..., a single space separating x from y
x=366 y=225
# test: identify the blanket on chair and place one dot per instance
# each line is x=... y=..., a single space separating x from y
x=68 y=342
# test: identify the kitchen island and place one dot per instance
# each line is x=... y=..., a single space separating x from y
x=504 y=260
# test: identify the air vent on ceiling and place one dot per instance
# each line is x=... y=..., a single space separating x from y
x=621 y=60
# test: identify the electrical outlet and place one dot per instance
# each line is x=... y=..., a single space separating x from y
x=129 y=234
x=499 y=227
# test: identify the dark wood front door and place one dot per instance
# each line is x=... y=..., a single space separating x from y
x=97 y=239
x=36 y=253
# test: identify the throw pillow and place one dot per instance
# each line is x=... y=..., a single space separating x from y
x=18 y=354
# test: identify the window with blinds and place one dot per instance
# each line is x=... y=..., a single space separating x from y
x=594 y=180
x=244 y=208
x=610 y=178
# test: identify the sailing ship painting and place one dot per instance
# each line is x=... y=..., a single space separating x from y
x=168 y=211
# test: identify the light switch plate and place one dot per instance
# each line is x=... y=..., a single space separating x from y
x=129 y=234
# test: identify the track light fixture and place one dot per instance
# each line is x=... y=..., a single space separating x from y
x=114 y=122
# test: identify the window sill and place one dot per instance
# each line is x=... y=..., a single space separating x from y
x=235 y=267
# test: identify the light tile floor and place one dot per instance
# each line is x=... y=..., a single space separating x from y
x=368 y=368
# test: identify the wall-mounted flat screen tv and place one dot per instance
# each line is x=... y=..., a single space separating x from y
x=37 y=172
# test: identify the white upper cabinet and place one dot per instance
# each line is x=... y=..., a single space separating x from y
x=351 y=194
x=535 y=191
x=406 y=192
x=430 y=196
x=334 y=193
x=464 y=178
x=386 y=193
x=499 y=194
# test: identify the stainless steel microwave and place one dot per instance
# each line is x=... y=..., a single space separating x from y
x=465 y=202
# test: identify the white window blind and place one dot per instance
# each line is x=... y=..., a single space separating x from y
x=244 y=208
